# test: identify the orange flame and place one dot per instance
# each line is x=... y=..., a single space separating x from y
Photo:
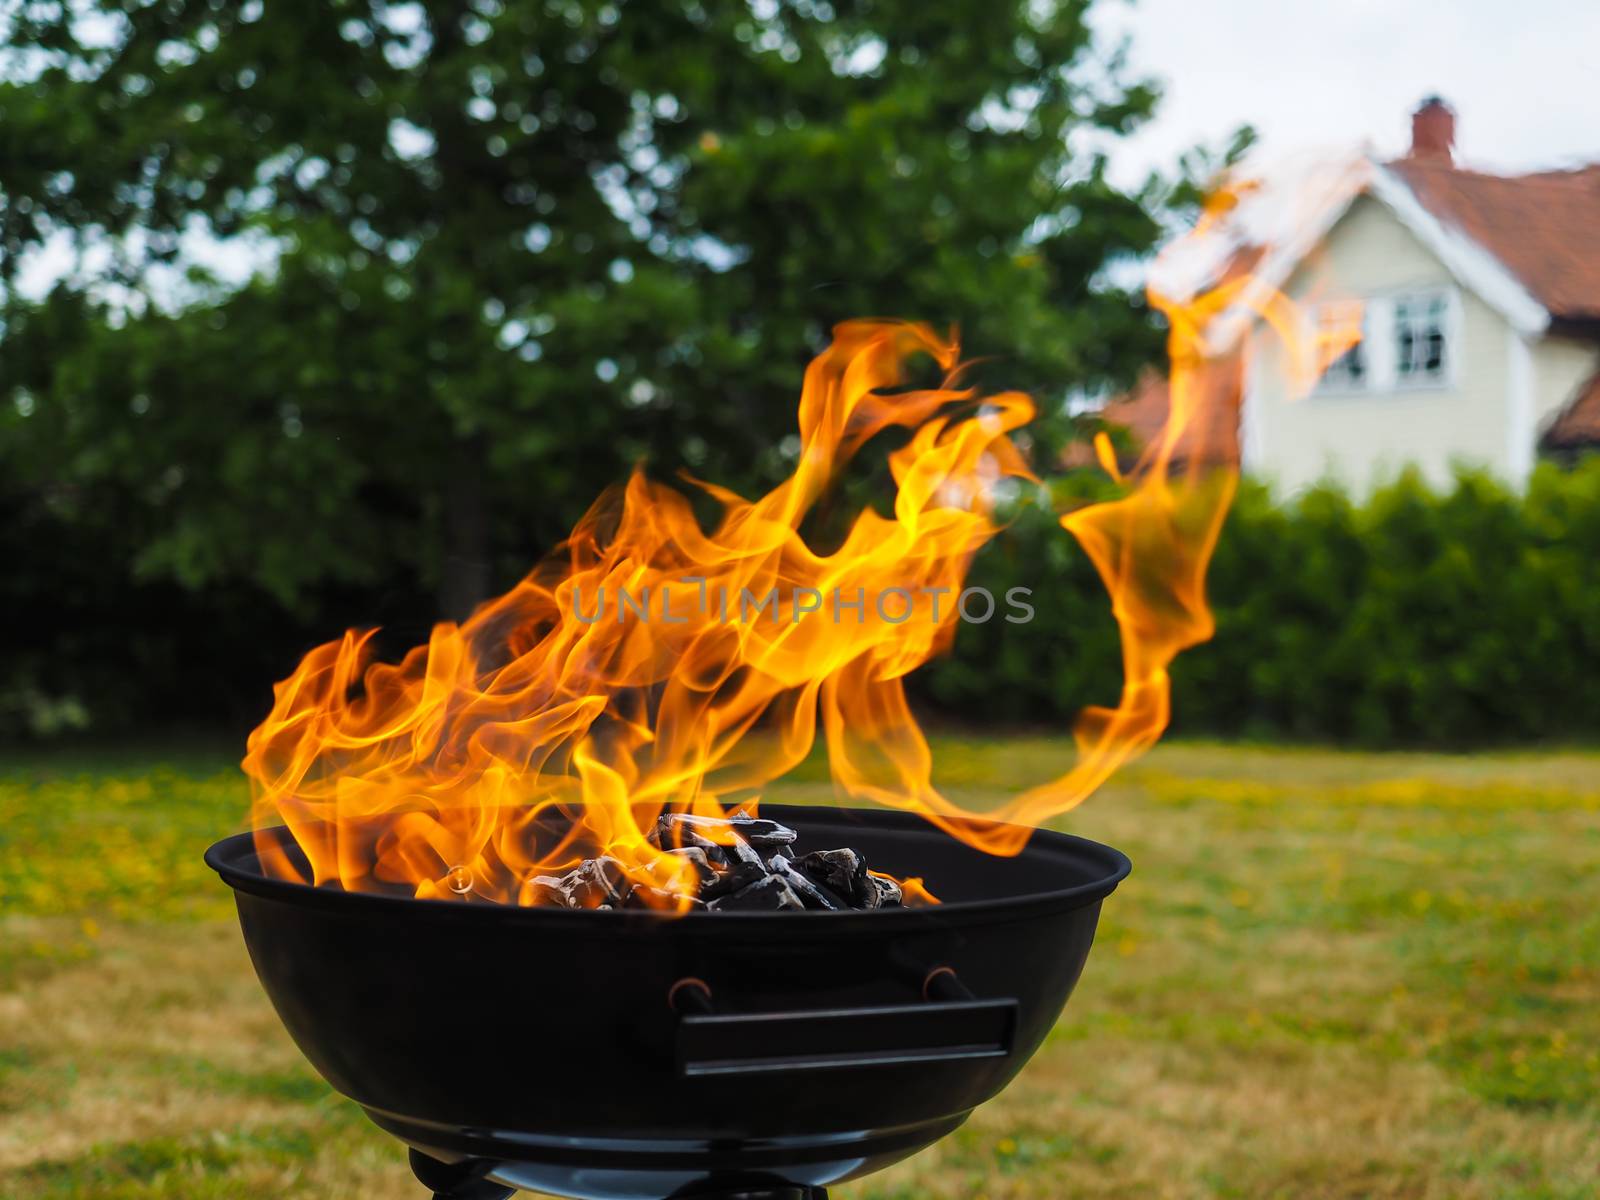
x=652 y=665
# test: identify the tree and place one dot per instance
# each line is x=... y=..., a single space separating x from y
x=510 y=247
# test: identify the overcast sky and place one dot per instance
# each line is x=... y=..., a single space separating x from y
x=1524 y=77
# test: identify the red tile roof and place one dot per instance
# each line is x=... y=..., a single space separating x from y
x=1211 y=439
x=1579 y=423
x=1544 y=228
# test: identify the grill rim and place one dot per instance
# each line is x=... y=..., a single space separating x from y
x=234 y=859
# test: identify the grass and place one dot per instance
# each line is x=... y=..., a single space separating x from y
x=1331 y=976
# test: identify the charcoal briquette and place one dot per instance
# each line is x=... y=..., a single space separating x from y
x=547 y=889
x=738 y=876
x=740 y=863
x=882 y=892
x=612 y=878
x=815 y=895
x=762 y=833
x=691 y=829
x=742 y=851
x=768 y=894
x=592 y=883
x=842 y=870
x=697 y=855
x=645 y=896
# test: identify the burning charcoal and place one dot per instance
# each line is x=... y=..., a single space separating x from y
x=702 y=862
x=813 y=894
x=671 y=832
x=757 y=875
x=738 y=876
x=734 y=850
x=611 y=879
x=741 y=851
x=762 y=833
x=675 y=831
x=561 y=890
x=688 y=829
x=767 y=895
x=593 y=883
x=882 y=892
x=717 y=856
x=843 y=871
x=546 y=889
x=645 y=896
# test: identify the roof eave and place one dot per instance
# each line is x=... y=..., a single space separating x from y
x=1232 y=324
x=1472 y=266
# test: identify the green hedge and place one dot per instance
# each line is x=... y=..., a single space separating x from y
x=1412 y=618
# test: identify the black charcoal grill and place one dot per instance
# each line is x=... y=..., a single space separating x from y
x=632 y=1055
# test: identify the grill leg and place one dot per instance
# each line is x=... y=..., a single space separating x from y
x=462 y=1180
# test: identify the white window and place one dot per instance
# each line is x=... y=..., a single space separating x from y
x=1349 y=371
x=1422 y=348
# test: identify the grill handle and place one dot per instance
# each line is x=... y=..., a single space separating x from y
x=950 y=1026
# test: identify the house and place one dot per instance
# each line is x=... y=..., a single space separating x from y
x=1477 y=298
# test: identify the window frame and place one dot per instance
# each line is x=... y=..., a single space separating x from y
x=1381 y=343
x=1450 y=329
x=1343 y=386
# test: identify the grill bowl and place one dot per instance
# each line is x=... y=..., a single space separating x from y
x=542 y=1041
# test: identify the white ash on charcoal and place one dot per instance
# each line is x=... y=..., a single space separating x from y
x=705 y=873
x=769 y=893
x=733 y=877
x=599 y=883
x=811 y=893
x=740 y=864
x=593 y=883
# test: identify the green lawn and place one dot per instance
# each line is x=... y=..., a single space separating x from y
x=1331 y=975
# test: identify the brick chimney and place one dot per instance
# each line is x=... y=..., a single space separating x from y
x=1433 y=131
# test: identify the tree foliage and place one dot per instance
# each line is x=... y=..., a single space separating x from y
x=511 y=247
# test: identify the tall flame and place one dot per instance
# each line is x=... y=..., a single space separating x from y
x=652 y=665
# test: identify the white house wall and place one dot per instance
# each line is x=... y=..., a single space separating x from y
x=1365 y=438
x=1559 y=366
